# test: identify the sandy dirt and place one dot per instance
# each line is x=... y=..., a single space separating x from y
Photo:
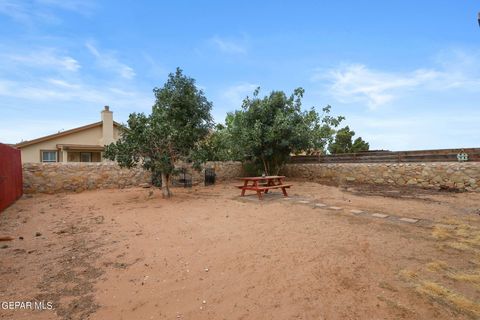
x=209 y=254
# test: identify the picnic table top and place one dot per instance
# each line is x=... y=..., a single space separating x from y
x=262 y=178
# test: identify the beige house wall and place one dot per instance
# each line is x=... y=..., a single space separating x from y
x=92 y=136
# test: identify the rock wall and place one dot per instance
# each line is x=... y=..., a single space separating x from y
x=436 y=175
x=224 y=170
x=76 y=177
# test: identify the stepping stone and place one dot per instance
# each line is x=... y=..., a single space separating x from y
x=379 y=215
x=355 y=211
x=303 y=201
x=335 y=208
x=320 y=205
x=409 y=220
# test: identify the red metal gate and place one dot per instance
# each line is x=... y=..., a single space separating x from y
x=10 y=176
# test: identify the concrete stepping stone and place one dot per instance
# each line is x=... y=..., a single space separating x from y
x=320 y=205
x=409 y=220
x=379 y=215
x=335 y=208
x=355 y=211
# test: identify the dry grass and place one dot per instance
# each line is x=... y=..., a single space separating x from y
x=387 y=286
x=408 y=275
x=473 y=240
x=441 y=232
x=467 y=277
x=443 y=295
x=452 y=234
x=399 y=308
x=458 y=235
x=436 y=266
x=458 y=246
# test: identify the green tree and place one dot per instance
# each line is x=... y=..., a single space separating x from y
x=360 y=145
x=268 y=130
x=343 y=142
x=180 y=118
x=217 y=146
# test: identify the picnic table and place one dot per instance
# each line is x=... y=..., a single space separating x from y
x=263 y=184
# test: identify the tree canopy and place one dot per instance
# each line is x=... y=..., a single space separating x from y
x=343 y=142
x=180 y=118
x=268 y=130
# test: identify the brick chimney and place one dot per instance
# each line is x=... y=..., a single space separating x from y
x=107 y=126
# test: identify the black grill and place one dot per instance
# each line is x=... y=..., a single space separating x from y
x=183 y=179
x=209 y=176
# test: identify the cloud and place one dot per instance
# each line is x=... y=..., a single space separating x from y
x=233 y=96
x=57 y=90
x=15 y=10
x=229 y=46
x=32 y=12
x=155 y=69
x=109 y=62
x=357 y=83
x=424 y=130
x=84 y=7
x=50 y=77
x=18 y=130
x=43 y=58
x=41 y=100
x=63 y=83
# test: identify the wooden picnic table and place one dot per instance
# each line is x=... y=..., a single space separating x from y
x=263 y=184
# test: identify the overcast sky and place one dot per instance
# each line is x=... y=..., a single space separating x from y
x=406 y=74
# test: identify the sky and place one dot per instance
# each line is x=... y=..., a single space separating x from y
x=405 y=74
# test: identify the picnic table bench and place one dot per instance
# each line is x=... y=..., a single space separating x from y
x=263 y=184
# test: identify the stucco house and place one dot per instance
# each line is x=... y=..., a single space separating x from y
x=82 y=144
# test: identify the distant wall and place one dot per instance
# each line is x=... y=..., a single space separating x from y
x=224 y=170
x=451 y=175
x=77 y=177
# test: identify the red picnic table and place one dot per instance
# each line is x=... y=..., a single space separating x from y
x=263 y=184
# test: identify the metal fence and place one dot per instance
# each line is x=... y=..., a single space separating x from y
x=438 y=155
x=11 y=187
x=210 y=176
x=183 y=178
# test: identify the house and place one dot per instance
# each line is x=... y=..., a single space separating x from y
x=82 y=144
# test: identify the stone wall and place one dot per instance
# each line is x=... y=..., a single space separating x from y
x=76 y=177
x=435 y=175
x=224 y=170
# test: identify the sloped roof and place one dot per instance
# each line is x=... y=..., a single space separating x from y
x=63 y=133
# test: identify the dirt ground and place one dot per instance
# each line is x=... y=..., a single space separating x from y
x=209 y=254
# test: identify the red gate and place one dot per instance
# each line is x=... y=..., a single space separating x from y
x=11 y=187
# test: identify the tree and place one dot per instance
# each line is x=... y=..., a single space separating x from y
x=343 y=142
x=268 y=130
x=217 y=146
x=180 y=118
x=360 y=145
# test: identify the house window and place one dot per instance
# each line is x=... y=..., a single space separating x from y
x=49 y=156
x=85 y=157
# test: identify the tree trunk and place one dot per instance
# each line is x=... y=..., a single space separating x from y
x=165 y=186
